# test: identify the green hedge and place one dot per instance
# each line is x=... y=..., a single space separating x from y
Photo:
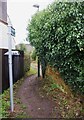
x=57 y=33
x=33 y=55
x=27 y=62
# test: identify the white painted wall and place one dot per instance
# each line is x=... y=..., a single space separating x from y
x=4 y=37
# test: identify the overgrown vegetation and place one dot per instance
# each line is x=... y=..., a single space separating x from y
x=57 y=33
x=33 y=55
x=27 y=62
x=32 y=71
x=4 y=104
x=68 y=105
x=21 y=47
x=27 y=59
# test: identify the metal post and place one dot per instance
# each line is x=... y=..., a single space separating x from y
x=10 y=67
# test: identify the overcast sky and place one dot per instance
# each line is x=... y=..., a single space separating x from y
x=20 y=11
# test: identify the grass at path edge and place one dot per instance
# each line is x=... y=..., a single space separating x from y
x=5 y=99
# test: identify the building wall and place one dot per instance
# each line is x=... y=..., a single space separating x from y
x=0 y=10
x=4 y=26
x=3 y=36
x=3 y=10
x=0 y=71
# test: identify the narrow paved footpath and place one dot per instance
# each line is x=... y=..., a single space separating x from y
x=36 y=106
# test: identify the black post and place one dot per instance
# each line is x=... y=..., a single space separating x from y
x=38 y=67
x=43 y=65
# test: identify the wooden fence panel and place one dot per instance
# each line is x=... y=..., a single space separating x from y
x=17 y=66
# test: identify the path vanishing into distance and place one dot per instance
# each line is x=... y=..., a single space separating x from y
x=37 y=106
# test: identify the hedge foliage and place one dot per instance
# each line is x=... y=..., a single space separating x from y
x=33 y=55
x=57 y=33
x=27 y=62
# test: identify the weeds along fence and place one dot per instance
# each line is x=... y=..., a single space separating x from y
x=17 y=67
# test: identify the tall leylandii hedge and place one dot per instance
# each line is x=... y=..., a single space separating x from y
x=57 y=33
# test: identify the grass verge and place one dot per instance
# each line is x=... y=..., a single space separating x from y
x=31 y=72
x=68 y=104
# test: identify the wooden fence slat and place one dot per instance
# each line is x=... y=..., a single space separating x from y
x=18 y=68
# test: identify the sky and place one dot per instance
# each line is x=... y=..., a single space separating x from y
x=20 y=12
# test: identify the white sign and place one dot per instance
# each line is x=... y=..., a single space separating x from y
x=13 y=53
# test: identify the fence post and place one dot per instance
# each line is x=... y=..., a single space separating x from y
x=38 y=67
x=43 y=66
